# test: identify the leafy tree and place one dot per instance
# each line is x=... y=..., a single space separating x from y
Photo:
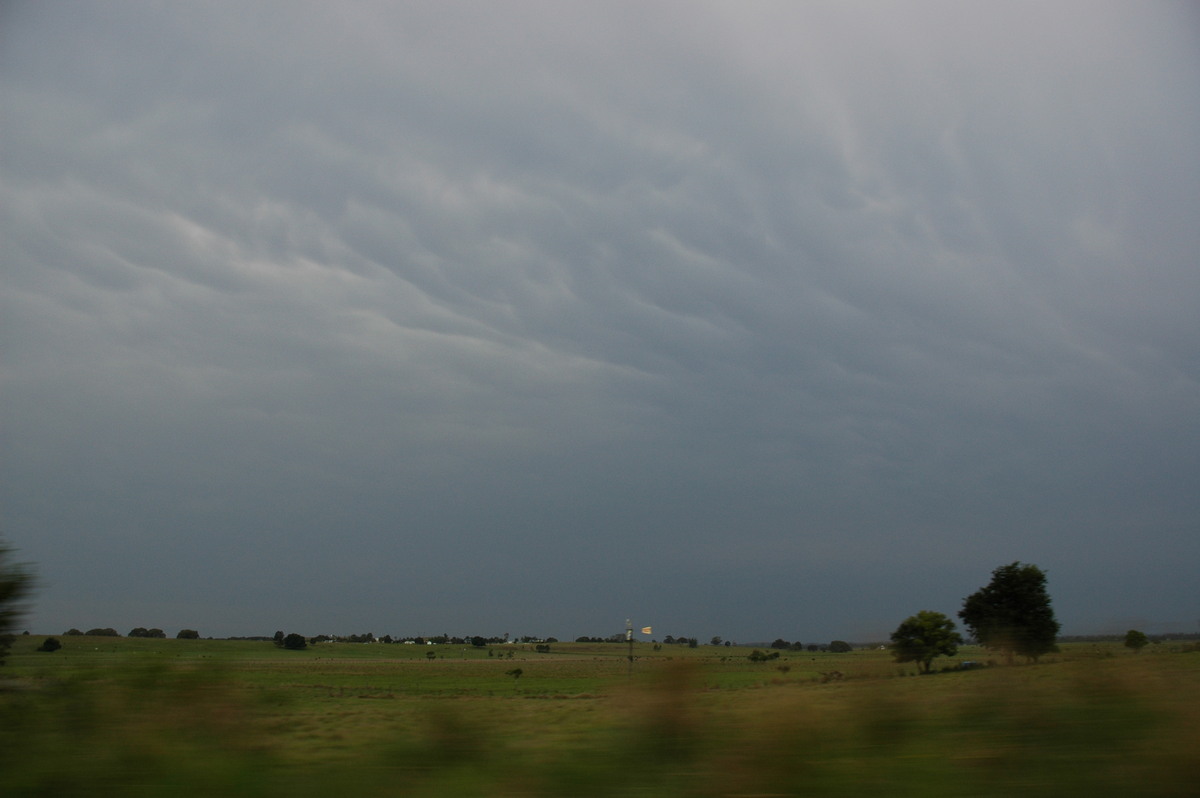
x=1136 y=640
x=840 y=647
x=1012 y=614
x=107 y=631
x=716 y=641
x=779 y=642
x=924 y=636
x=16 y=583
x=188 y=634
x=50 y=644
x=295 y=642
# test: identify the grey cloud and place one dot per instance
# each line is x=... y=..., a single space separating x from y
x=596 y=305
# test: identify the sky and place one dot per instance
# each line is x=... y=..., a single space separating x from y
x=753 y=320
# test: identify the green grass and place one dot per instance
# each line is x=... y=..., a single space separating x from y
x=120 y=716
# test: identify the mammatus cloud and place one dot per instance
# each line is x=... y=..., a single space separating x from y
x=540 y=316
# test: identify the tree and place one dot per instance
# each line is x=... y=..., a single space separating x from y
x=1136 y=640
x=1012 y=614
x=107 y=631
x=840 y=647
x=188 y=634
x=16 y=583
x=50 y=644
x=924 y=636
x=294 y=642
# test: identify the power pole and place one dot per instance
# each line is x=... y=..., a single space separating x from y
x=629 y=639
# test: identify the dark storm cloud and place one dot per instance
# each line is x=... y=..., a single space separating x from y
x=752 y=320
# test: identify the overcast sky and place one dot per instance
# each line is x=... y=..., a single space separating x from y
x=744 y=319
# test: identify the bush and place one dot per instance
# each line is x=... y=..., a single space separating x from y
x=49 y=644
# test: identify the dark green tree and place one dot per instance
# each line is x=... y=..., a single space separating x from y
x=1136 y=640
x=923 y=637
x=1012 y=613
x=16 y=584
x=295 y=642
x=840 y=647
x=188 y=634
x=50 y=644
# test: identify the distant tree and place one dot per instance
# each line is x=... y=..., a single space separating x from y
x=780 y=643
x=16 y=584
x=693 y=642
x=840 y=647
x=72 y=632
x=278 y=638
x=49 y=644
x=107 y=631
x=188 y=634
x=294 y=642
x=478 y=642
x=1012 y=613
x=1136 y=640
x=923 y=637
x=716 y=641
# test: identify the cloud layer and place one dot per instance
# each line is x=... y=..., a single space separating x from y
x=758 y=321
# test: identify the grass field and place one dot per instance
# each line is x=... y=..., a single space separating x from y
x=126 y=716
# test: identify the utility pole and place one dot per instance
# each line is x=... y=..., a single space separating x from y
x=629 y=639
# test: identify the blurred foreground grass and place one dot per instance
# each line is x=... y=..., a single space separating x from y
x=147 y=722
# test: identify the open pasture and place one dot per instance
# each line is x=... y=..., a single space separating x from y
x=120 y=716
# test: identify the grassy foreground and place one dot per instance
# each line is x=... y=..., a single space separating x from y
x=120 y=716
